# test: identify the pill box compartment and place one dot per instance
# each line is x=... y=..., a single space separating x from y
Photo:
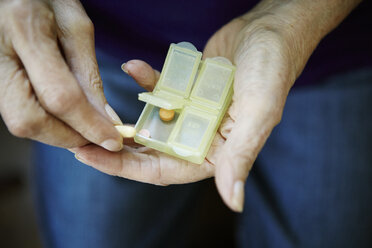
x=186 y=136
x=213 y=83
x=159 y=130
x=191 y=135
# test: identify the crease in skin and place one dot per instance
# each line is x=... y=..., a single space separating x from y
x=208 y=160
x=226 y=127
x=155 y=176
x=141 y=160
x=220 y=133
x=213 y=152
x=155 y=160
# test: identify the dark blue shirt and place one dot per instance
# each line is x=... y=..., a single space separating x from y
x=144 y=29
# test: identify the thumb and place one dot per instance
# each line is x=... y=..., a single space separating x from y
x=257 y=107
x=76 y=35
x=249 y=132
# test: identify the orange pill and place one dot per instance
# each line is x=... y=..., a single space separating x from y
x=166 y=115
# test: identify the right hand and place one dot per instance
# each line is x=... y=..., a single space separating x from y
x=50 y=87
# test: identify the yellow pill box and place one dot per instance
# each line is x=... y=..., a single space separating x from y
x=199 y=91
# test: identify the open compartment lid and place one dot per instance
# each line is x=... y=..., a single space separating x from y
x=214 y=82
x=179 y=70
x=162 y=100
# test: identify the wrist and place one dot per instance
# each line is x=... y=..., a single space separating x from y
x=297 y=26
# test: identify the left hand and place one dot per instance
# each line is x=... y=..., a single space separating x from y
x=256 y=108
x=269 y=55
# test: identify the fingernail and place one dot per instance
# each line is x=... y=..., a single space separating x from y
x=115 y=118
x=112 y=145
x=79 y=159
x=238 y=196
x=124 y=70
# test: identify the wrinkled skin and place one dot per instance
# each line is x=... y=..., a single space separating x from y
x=50 y=88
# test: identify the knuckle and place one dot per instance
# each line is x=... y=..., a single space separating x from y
x=95 y=82
x=24 y=127
x=31 y=20
x=20 y=8
x=85 y=24
x=46 y=24
x=27 y=10
x=62 y=101
x=77 y=26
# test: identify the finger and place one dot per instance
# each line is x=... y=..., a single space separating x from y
x=23 y=114
x=246 y=135
x=260 y=90
x=142 y=73
x=215 y=149
x=144 y=165
x=55 y=86
x=239 y=152
x=76 y=34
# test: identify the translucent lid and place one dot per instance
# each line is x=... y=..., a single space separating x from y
x=179 y=70
x=162 y=100
x=193 y=130
x=214 y=81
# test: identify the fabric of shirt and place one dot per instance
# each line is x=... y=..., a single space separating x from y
x=144 y=30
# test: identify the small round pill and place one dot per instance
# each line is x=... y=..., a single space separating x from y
x=144 y=133
x=166 y=115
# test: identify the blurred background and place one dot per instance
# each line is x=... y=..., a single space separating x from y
x=18 y=222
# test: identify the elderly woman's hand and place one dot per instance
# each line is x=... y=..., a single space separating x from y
x=50 y=88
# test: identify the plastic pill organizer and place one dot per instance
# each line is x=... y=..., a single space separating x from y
x=199 y=91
